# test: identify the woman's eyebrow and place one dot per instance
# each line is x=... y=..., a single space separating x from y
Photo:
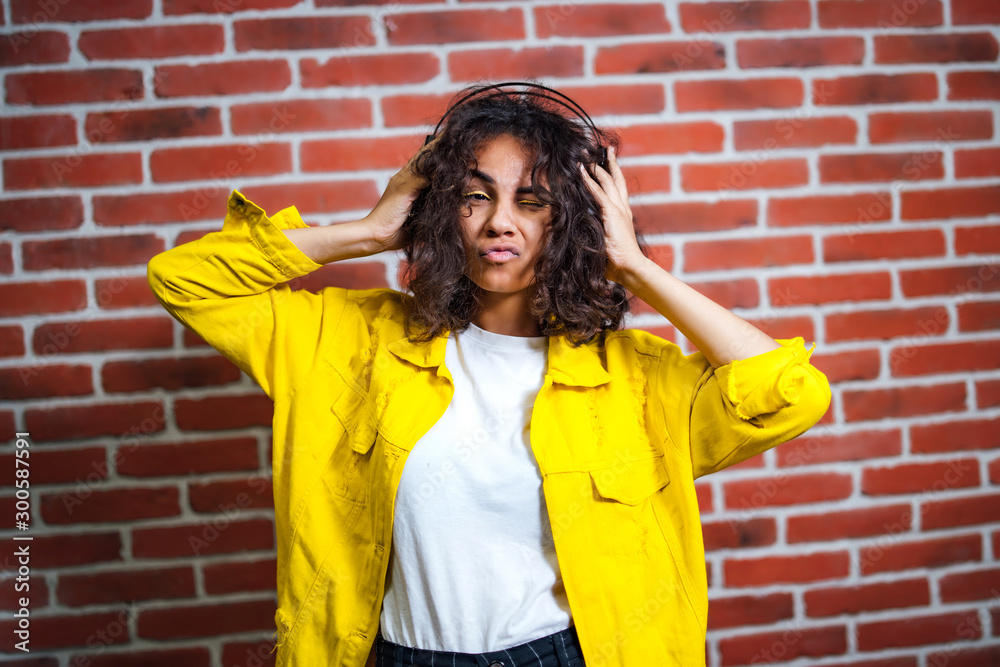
x=486 y=178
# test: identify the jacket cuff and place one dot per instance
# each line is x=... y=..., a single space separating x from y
x=268 y=236
x=766 y=382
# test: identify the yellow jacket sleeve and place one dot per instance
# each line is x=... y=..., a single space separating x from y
x=739 y=410
x=229 y=288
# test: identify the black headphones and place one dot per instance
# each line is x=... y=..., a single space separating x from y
x=533 y=90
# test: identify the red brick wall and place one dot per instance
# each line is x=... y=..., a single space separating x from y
x=828 y=168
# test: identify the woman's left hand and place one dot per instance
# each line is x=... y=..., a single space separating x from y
x=608 y=187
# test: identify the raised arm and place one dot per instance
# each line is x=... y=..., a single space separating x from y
x=719 y=334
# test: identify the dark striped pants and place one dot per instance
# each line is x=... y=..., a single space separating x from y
x=559 y=650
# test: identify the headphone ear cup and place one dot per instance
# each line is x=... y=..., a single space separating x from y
x=428 y=139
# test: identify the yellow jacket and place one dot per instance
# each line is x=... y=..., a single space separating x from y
x=620 y=430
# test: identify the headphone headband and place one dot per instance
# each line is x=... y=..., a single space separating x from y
x=533 y=90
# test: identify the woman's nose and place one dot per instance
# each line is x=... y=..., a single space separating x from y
x=501 y=219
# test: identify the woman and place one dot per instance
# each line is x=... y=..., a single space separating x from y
x=490 y=471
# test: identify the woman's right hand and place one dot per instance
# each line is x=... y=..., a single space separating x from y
x=387 y=218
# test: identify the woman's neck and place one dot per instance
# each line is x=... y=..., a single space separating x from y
x=506 y=314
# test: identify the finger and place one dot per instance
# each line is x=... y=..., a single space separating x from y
x=616 y=172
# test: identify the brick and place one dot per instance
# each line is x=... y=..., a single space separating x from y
x=612 y=99
x=977 y=85
x=930 y=126
x=854 y=446
x=745 y=175
x=884 y=245
x=964 y=586
x=61 y=631
x=915 y=478
x=717 y=94
x=456 y=26
x=152 y=42
x=867 y=597
x=239 y=576
x=65 y=466
x=158 y=657
x=71 y=422
x=883 y=14
x=977 y=162
x=226 y=78
x=712 y=17
x=798 y=290
x=786 y=490
x=44 y=381
x=128 y=292
x=130 y=504
x=42 y=131
x=752 y=252
x=35 y=298
x=949 y=203
x=892 y=554
x=146 y=124
x=875 y=89
x=660 y=56
x=352 y=154
x=737 y=611
x=874 y=167
x=861 y=207
x=786 y=569
x=786 y=327
x=793 y=132
x=6 y=258
x=742 y=293
x=207 y=203
x=319 y=197
x=30 y=11
x=307 y=32
x=672 y=138
x=139 y=333
x=970 y=657
x=301 y=116
x=223 y=412
x=988 y=396
x=955 y=280
x=408 y=110
x=91 y=252
x=71 y=171
x=938 y=629
x=600 y=20
x=844 y=524
x=800 y=52
x=695 y=216
x=936 y=48
x=351 y=275
x=78 y=590
x=966 y=12
x=172 y=374
x=909 y=360
x=203 y=539
x=253 y=493
x=886 y=324
x=173 y=7
x=72 y=549
x=704 y=494
x=220 y=162
x=516 y=64
x=768 y=647
x=206 y=620
x=647 y=178
x=369 y=70
x=74 y=86
x=960 y=435
x=735 y=534
x=960 y=512
x=187 y=458
x=11 y=341
x=978 y=315
x=34 y=47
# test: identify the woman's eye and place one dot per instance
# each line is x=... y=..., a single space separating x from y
x=477 y=195
x=532 y=203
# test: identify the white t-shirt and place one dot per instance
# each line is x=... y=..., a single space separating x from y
x=473 y=567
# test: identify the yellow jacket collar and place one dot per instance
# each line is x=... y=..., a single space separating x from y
x=574 y=366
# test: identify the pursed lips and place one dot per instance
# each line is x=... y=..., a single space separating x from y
x=501 y=252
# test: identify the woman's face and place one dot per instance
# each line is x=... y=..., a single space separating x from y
x=504 y=234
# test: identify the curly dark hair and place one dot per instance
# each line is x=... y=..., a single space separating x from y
x=571 y=295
